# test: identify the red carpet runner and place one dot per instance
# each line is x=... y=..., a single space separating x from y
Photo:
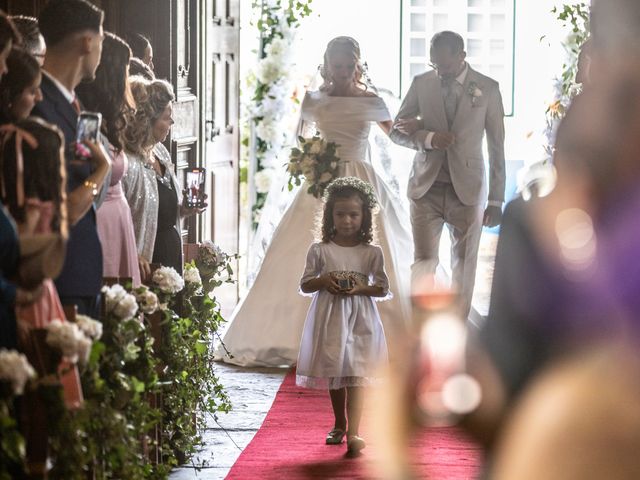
x=290 y=445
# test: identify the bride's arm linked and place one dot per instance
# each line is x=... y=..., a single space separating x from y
x=409 y=109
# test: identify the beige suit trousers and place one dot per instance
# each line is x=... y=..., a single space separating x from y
x=440 y=206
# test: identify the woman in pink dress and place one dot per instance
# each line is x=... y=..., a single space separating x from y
x=33 y=188
x=109 y=94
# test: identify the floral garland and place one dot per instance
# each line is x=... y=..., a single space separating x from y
x=122 y=368
x=575 y=16
x=272 y=104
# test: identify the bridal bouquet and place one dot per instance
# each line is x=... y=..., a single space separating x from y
x=316 y=162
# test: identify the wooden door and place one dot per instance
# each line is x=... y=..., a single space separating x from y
x=220 y=109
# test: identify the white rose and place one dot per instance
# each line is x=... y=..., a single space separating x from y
x=147 y=300
x=15 y=369
x=269 y=132
x=192 y=275
x=168 y=280
x=90 y=327
x=127 y=307
x=69 y=339
x=268 y=71
x=262 y=180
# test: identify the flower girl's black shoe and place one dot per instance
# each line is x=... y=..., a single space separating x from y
x=335 y=436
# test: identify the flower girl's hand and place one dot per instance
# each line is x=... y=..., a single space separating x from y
x=357 y=289
x=331 y=284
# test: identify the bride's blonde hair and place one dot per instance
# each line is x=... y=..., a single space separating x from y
x=349 y=46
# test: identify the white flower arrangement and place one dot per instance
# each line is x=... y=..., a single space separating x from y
x=316 y=161
x=192 y=274
x=272 y=108
x=168 y=280
x=119 y=302
x=90 y=327
x=15 y=369
x=69 y=340
x=147 y=300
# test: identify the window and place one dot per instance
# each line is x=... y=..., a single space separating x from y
x=487 y=27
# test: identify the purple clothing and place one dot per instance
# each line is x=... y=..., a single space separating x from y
x=115 y=227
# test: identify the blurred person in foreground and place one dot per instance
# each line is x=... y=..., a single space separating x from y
x=566 y=274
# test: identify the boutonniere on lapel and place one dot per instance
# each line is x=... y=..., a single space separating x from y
x=475 y=93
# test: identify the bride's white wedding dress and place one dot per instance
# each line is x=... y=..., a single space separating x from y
x=267 y=324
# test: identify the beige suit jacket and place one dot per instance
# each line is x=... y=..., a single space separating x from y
x=473 y=118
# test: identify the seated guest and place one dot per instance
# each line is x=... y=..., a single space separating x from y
x=110 y=95
x=73 y=32
x=32 y=39
x=151 y=185
x=20 y=87
x=139 y=68
x=142 y=49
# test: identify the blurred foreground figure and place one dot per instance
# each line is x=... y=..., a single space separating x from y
x=580 y=419
x=566 y=273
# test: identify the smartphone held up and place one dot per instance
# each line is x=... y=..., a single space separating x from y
x=195 y=187
x=87 y=130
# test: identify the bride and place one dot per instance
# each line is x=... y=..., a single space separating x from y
x=266 y=325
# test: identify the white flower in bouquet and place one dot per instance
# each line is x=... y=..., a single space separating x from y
x=168 y=280
x=307 y=164
x=147 y=300
x=119 y=302
x=69 y=339
x=15 y=369
x=90 y=327
x=192 y=275
x=263 y=180
x=316 y=148
x=325 y=177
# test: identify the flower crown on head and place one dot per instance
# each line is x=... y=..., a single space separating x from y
x=353 y=182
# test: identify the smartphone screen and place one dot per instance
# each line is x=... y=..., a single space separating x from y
x=87 y=129
x=195 y=178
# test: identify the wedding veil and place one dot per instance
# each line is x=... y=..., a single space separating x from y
x=391 y=162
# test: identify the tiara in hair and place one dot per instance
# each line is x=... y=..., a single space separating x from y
x=353 y=182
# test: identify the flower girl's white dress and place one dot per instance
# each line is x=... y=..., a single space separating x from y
x=266 y=326
x=343 y=341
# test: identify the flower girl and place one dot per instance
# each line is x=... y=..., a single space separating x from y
x=343 y=340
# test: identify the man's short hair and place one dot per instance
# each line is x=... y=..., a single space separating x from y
x=28 y=28
x=451 y=40
x=138 y=44
x=61 y=18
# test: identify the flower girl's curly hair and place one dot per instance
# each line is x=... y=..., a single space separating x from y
x=347 y=187
x=351 y=47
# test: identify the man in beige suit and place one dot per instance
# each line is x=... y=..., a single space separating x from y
x=444 y=117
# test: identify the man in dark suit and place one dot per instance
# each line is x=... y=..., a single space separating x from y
x=73 y=32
